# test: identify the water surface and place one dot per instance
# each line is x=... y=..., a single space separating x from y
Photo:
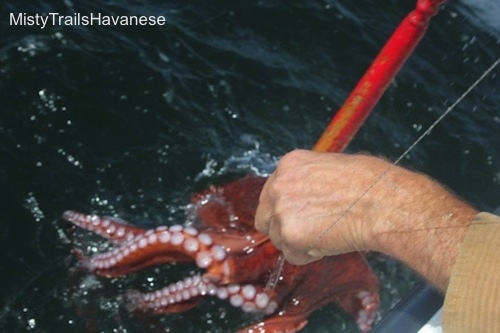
x=133 y=120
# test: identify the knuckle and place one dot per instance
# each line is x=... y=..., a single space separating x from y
x=289 y=235
x=292 y=157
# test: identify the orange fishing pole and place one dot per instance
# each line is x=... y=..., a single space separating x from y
x=377 y=78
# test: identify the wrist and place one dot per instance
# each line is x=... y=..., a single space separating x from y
x=424 y=226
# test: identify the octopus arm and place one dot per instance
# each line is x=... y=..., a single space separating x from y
x=264 y=256
x=162 y=245
x=346 y=281
x=111 y=228
x=159 y=302
x=277 y=324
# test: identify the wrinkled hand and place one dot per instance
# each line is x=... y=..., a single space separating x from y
x=315 y=204
x=320 y=204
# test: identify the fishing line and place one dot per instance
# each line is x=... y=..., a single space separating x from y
x=273 y=279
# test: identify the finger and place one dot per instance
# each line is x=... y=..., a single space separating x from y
x=275 y=233
x=262 y=219
x=298 y=257
x=263 y=214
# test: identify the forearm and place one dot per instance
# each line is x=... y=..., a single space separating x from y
x=321 y=204
x=425 y=226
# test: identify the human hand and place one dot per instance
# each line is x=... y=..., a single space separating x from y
x=317 y=204
x=320 y=204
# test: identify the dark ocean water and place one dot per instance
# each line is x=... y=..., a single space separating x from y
x=133 y=120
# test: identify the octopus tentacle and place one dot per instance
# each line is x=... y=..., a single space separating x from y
x=276 y=324
x=185 y=294
x=110 y=228
x=366 y=316
x=156 y=246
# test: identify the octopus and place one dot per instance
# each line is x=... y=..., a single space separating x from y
x=235 y=263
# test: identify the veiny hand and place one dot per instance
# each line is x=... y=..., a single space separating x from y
x=315 y=204
x=320 y=204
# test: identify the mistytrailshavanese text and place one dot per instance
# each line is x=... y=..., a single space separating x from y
x=77 y=19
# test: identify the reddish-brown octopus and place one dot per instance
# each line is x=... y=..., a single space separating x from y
x=237 y=262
